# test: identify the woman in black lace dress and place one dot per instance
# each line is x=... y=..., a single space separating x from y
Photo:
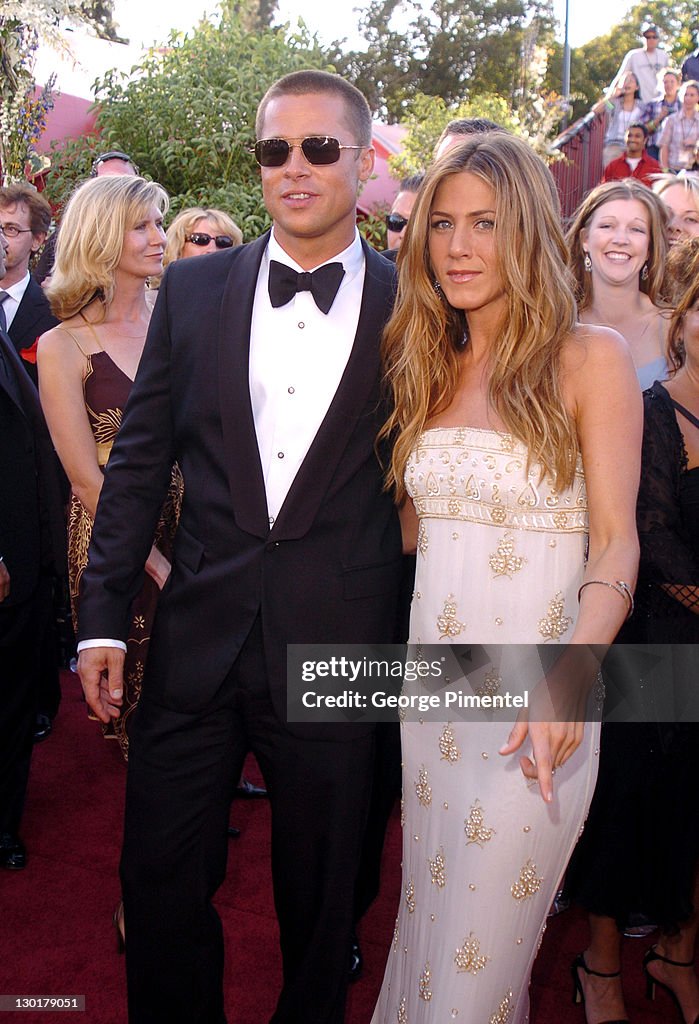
x=642 y=839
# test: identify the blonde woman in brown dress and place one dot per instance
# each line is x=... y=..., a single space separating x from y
x=111 y=241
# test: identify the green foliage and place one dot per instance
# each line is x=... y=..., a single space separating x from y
x=426 y=119
x=373 y=229
x=455 y=49
x=186 y=115
x=594 y=65
x=428 y=116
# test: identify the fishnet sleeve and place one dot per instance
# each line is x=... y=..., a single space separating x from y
x=667 y=558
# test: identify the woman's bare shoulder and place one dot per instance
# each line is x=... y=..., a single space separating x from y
x=596 y=359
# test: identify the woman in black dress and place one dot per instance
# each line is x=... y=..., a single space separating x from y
x=639 y=849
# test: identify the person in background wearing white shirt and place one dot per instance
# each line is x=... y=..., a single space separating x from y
x=645 y=62
x=681 y=131
x=261 y=371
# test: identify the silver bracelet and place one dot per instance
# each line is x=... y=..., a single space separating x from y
x=622 y=588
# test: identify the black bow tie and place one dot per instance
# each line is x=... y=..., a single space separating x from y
x=323 y=284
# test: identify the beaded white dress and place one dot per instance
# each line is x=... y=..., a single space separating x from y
x=500 y=560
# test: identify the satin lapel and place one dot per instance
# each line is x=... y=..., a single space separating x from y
x=29 y=398
x=354 y=391
x=240 y=451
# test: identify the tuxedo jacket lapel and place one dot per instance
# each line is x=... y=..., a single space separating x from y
x=19 y=393
x=355 y=389
x=240 y=449
x=33 y=317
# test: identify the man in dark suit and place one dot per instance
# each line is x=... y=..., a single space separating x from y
x=32 y=547
x=269 y=399
x=26 y=218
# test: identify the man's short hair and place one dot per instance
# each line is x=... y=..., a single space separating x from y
x=638 y=124
x=412 y=183
x=39 y=209
x=113 y=154
x=300 y=83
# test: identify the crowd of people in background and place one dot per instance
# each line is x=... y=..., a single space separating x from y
x=650 y=96
x=224 y=496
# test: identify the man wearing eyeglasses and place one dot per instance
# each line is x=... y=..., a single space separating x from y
x=25 y=217
x=645 y=63
x=286 y=536
x=397 y=219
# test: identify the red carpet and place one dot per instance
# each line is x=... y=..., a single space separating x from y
x=56 y=936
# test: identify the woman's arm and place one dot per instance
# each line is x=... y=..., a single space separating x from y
x=608 y=412
x=602 y=392
x=409 y=524
x=61 y=367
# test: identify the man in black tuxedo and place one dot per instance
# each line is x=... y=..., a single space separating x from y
x=26 y=217
x=269 y=399
x=32 y=548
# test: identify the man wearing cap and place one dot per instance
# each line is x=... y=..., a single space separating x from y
x=645 y=62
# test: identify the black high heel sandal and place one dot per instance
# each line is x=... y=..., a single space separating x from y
x=652 y=983
x=579 y=995
x=117 y=921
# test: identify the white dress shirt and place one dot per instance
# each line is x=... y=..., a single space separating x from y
x=297 y=357
x=15 y=294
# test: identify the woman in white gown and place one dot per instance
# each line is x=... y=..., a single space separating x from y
x=516 y=452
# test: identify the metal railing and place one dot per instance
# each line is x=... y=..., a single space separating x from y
x=581 y=167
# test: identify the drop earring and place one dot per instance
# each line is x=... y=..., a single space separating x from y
x=587 y=263
x=644 y=271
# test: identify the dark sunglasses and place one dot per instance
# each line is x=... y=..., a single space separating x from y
x=201 y=238
x=394 y=222
x=317 y=149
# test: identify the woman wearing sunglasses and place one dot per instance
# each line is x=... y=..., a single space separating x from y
x=199 y=231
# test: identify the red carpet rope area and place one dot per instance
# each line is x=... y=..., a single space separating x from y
x=56 y=936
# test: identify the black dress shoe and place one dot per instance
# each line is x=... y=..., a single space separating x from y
x=42 y=727
x=13 y=855
x=247 y=790
x=356 y=960
x=233 y=832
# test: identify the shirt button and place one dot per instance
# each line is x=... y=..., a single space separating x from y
x=280 y=455
x=291 y=390
x=301 y=324
x=271 y=520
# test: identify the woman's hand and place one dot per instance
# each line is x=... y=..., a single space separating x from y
x=555 y=717
x=158 y=567
x=553 y=743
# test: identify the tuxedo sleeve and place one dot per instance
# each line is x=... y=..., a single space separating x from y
x=135 y=486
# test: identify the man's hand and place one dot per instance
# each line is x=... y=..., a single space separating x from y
x=101 y=671
x=4 y=582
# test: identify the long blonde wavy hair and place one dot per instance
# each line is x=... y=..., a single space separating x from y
x=683 y=275
x=91 y=239
x=424 y=336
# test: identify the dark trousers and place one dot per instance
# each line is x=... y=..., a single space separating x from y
x=181 y=775
x=18 y=672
